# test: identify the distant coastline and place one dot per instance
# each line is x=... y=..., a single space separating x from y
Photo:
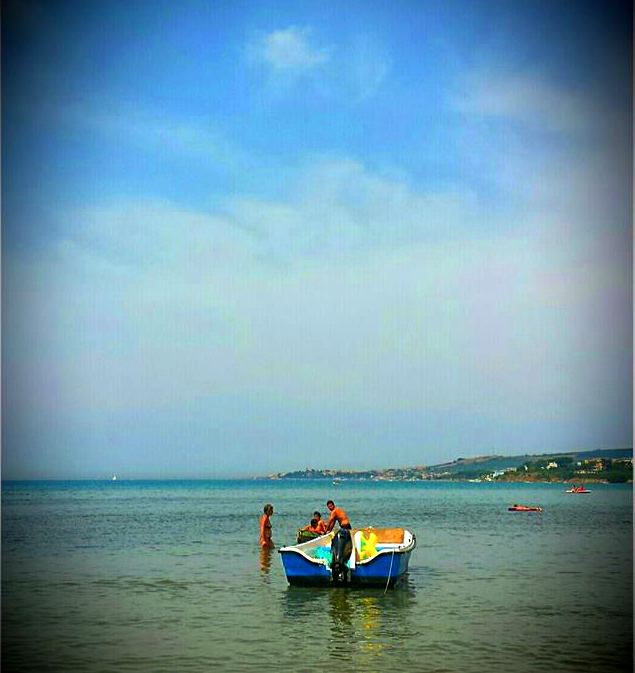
x=600 y=466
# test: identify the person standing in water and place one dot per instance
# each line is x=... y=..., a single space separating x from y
x=265 y=527
x=337 y=514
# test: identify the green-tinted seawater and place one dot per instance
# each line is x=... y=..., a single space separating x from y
x=168 y=576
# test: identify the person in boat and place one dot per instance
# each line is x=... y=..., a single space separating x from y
x=313 y=527
x=308 y=532
x=337 y=515
x=265 y=527
x=320 y=524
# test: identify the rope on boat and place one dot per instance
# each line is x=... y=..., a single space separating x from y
x=389 y=571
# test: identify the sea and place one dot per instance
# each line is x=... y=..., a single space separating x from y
x=153 y=576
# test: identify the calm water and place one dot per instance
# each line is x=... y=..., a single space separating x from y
x=168 y=576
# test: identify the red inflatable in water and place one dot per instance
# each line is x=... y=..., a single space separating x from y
x=524 y=508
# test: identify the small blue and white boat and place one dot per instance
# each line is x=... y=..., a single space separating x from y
x=360 y=557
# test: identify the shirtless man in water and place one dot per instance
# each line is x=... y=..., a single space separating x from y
x=265 y=528
x=337 y=514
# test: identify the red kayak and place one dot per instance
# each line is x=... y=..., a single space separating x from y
x=524 y=508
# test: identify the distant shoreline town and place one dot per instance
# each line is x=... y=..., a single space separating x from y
x=607 y=466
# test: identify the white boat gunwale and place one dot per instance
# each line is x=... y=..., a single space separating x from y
x=407 y=545
x=310 y=544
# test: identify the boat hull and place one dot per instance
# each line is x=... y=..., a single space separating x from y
x=302 y=571
x=384 y=569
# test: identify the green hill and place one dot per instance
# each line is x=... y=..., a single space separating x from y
x=465 y=467
x=489 y=467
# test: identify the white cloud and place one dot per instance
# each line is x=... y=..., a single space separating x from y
x=289 y=50
x=376 y=305
x=350 y=72
x=194 y=137
x=364 y=68
x=338 y=206
x=155 y=235
x=543 y=150
x=525 y=98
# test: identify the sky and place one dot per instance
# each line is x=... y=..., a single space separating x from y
x=244 y=237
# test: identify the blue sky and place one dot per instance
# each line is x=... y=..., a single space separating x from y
x=246 y=237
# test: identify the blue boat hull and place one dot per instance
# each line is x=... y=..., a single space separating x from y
x=301 y=571
x=385 y=569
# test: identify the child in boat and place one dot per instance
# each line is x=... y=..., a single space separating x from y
x=320 y=524
x=313 y=527
x=309 y=532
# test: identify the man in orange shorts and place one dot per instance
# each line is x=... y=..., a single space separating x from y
x=337 y=514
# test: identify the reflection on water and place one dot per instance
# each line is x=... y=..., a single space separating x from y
x=361 y=623
x=370 y=646
x=299 y=603
x=355 y=622
x=265 y=562
x=340 y=610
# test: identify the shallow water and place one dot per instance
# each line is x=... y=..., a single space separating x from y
x=168 y=576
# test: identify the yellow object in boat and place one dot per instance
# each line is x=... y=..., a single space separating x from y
x=367 y=544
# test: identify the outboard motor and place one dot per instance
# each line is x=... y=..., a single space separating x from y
x=341 y=549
